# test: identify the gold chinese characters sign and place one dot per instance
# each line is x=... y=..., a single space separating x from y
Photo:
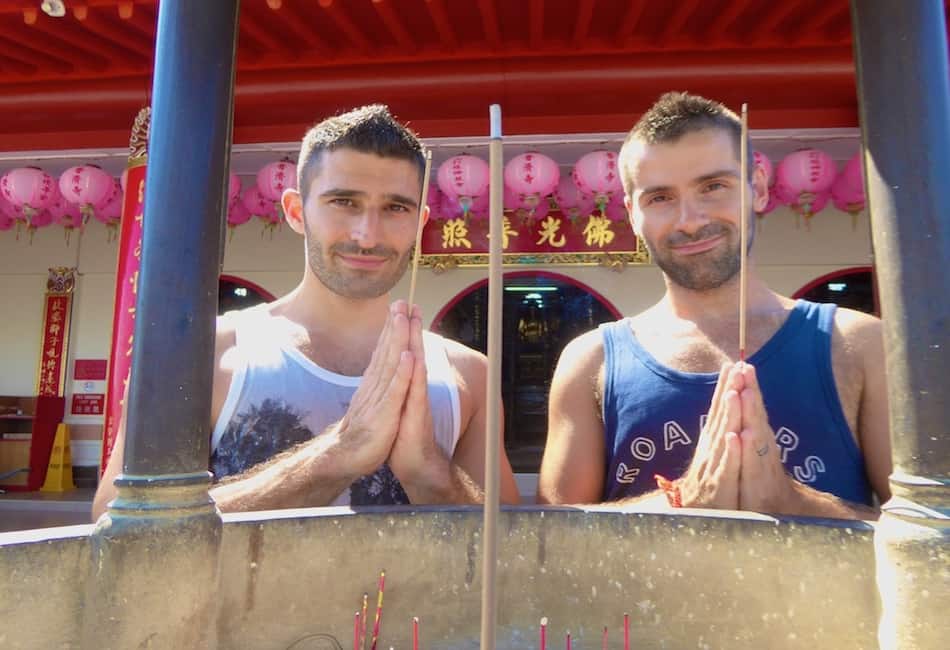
x=56 y=310
x=554 y=239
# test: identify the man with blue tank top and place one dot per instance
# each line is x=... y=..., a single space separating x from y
x=333 y=394
x=660 y=400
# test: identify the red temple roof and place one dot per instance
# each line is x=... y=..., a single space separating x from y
x=557 y=66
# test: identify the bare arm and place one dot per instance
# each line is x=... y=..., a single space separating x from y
x=313 y=473
x=572 y=470
x=874 y=432
x=469 y=457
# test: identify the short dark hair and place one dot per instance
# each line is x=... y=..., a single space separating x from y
x=367 y=129
x=676 y=114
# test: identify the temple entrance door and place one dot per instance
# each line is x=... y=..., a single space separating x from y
x=543 y=312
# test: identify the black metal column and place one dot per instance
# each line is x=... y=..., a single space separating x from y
x=185 y=202
x=904 y=94
x=155 y=553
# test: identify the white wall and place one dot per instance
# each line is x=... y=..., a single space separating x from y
x=788 y=257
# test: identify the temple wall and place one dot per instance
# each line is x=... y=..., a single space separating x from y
x=788 y=257
x=688 y=581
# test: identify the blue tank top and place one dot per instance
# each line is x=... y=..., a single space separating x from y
x=653 y=414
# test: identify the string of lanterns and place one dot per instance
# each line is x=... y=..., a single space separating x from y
x=805 y=181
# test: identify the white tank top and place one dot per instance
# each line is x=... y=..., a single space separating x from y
x=279 y=398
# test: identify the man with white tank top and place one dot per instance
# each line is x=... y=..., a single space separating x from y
x=333 y=394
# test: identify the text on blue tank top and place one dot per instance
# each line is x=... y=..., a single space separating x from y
x=653 y=414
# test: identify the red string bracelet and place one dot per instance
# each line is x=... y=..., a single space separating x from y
x=671 y=489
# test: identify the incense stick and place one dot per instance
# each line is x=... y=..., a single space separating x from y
x=568 y=642
x=544 y=633
x=493 y=384
x=626 y=632
x=356 y=631
x=363 y=618
x=379 y=610
x=419 y=226
x=743 y=229
x=603 y=640
x=415 y=633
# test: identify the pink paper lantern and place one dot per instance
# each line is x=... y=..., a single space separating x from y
x=257 y=205
x=434 y=200
x=572 y=203
x=511 y=200
x=598 y=174
x=234 y=187
x=806 y=174
x=276 y=177
x=533 y=176
x=29 y=189
x=526 y=214
x=761 y=160
x=110 y=213
x=88 y=187
x=852 y=176
x=772 y=203
x=41 y=219
x=449 y=208
x=616 y=210
x=480 y=207
x=238 y=214
x=463 y=177
x=66 y=214
x=6 y=222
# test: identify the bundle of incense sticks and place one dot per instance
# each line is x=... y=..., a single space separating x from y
x=543 y=635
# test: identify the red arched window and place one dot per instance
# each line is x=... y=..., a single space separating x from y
x=854 y=288
x=238 y=293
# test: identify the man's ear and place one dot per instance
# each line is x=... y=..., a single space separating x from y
x=292 y=203
x=760 y=189
x=425 y=215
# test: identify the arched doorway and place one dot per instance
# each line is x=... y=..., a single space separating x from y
x=542 y=313
x=853 y=288
x=238 y=293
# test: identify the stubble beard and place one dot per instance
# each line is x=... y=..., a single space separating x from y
x=705 y=271
x=352 y=283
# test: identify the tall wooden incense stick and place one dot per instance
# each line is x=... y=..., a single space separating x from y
x=493 y=383
x=415 y=633
x=743 y=229
x=626 y=632
x=543 y=634
x=356 y=631
x=419 y=226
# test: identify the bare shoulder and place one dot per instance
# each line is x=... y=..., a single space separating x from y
x=471 y=366
x=857 y=322
x=856 y=333
x=582 y=357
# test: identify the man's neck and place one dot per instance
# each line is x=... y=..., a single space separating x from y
x=717 y=306
x=332 y=319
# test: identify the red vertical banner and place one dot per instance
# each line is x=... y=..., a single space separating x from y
x=51 y=370
x=126 y=282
